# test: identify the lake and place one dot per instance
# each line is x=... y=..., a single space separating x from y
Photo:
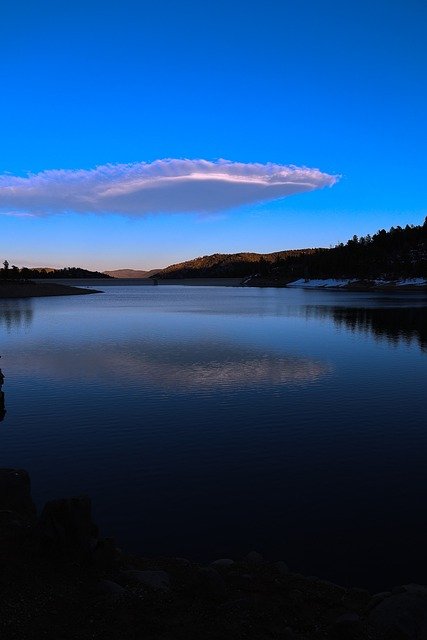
x=205 y=422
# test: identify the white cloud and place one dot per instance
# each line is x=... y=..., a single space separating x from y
x=163 y=186
x=16 y=214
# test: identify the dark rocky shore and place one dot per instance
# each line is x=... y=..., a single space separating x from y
x=10 y=289
x=61 y=580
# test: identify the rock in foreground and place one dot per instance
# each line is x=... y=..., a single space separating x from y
x=60 y=579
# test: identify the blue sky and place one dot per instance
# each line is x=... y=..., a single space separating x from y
x=338 y=86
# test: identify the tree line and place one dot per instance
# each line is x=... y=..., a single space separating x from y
x=14 y=273
x=397 y=253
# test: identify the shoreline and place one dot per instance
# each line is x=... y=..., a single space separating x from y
x=353 y=284
x=60 y=578
x=40 y=290
x=147 y=282
x=328 y=284
x=347 y=284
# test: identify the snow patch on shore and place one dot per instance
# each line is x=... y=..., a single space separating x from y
x=411 y=281
x=315 y=284
x=332 y=283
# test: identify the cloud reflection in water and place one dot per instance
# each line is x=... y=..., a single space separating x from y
x=173 y=366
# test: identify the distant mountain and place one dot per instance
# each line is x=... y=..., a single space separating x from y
x=228 y=265
x=130 y=273
x=399 y=252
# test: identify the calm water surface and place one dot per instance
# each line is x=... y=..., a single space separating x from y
x=206 y=421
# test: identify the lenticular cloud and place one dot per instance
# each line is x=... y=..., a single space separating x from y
x=163 y=186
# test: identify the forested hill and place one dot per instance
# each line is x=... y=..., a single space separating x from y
x=228 y=265
x=399 y=252
x=14 y=273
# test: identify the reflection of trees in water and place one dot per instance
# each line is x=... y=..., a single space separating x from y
x=15 y=314
x=396 y=325
x=2 y=407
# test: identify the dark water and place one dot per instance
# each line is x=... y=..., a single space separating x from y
x=206 y=422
